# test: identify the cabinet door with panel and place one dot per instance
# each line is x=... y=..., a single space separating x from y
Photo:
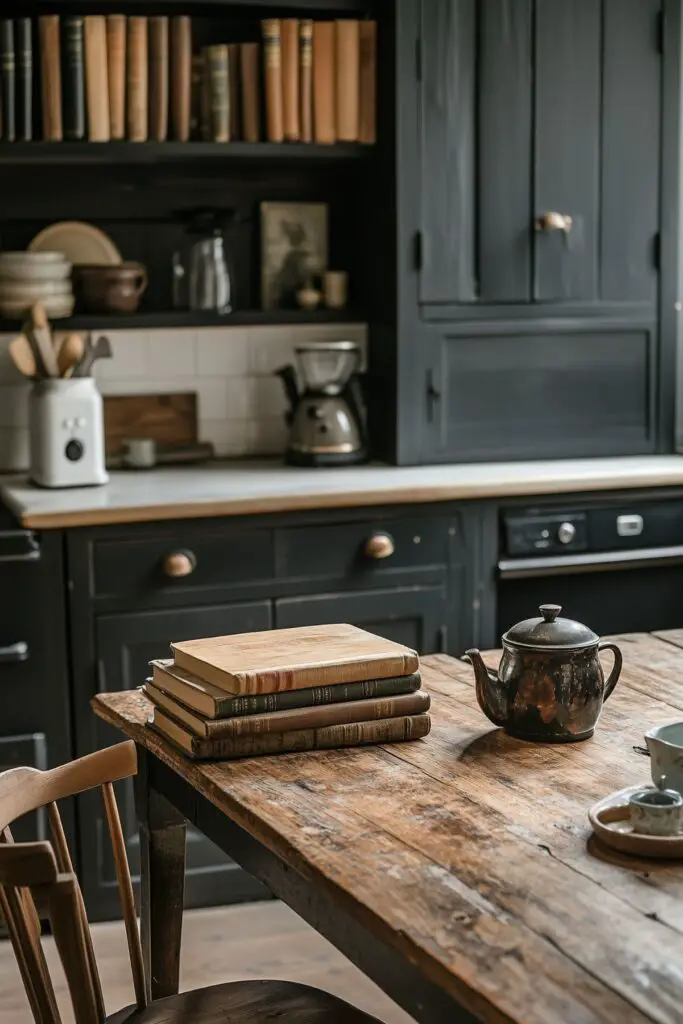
x=125 y=645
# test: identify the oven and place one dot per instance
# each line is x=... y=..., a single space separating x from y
x=616 y=566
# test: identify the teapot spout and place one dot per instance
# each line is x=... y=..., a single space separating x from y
x=489 y=689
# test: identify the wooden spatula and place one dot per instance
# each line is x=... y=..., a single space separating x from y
x=41 y=336
x=70 y=352
x=22 y=356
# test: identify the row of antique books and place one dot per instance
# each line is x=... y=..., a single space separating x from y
x=113 y=77
x=307 y=688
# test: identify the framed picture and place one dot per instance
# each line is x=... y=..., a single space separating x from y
x=293 y=250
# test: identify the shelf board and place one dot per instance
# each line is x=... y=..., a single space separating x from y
x=188 y=318
x=40 y=152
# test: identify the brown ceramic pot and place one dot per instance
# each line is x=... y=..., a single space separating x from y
x=109 y=289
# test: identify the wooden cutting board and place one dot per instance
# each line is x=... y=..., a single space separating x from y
x=291 y=659
x=170 y=419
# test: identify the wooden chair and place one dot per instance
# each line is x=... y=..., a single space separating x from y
x=38 y=879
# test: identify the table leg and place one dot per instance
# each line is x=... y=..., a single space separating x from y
x=162 y=883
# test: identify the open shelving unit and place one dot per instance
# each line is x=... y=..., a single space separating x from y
x=195 y=153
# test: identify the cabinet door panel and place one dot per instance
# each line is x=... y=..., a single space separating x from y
x=505 y=148
x=567 y=146
x=448 y=151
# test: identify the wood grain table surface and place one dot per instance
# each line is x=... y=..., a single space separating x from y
x=459 y=871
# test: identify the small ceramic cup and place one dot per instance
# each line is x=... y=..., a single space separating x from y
x=656 y=812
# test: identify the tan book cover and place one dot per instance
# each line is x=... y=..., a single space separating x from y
x=353 y=734
x=297 y=718
x=324 y=81
x=96 y=79
x=50 y=77
x=234 y=81
x=347 y=63
x=158 y=78
x=137 y=88
x=272 y=77
x=306 y=79
x=367 y=83
x=291 y=659
x=181 y=76
x=251 y=92
x=116 y=72
x=217 y=70
x=289 y=32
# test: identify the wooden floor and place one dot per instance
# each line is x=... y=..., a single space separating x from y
x=258 y=940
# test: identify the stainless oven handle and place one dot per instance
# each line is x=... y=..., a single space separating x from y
x=14 y=653
x=566 y=565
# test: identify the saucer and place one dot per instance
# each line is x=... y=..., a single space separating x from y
x=611 y=823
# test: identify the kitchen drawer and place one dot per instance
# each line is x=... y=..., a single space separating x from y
x=368 y=549
x=188 y=559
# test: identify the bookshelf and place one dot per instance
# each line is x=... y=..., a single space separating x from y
x=192 y=318
x=50 y=153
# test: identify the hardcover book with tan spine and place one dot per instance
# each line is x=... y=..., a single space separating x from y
x=116 y=73
x=324 y=80
x=306 y=79
x=181 y=76
x=251 y=92
x=234 y=80
x=367 y=83
x=272 y=77
x=347 y=62
x=50 y=77
x=289 y=32
x=158 y=78
x=353 y=734
x=212 y=702
x=292 y=659
x=285 y=721
x=96 y=78
x=137 y=80
x=218 y=82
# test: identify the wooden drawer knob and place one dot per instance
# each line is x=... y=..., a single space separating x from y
x=179 y=563
x=380 y=545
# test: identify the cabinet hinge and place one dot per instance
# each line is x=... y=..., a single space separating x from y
x=417 y=250
x=659 y=31
x=418 y=59
x=656 y=250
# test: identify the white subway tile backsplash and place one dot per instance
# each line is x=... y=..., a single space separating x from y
x=266 y=397
x=14 y=405
x=8 y=371
x=129 y=357
x=267 y=436
x=227 y=437
x=147 y=386
x=222 y=350
x=172 y=352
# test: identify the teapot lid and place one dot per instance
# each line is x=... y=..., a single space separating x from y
x=550 y=631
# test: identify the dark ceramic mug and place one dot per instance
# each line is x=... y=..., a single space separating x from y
x=110 y=289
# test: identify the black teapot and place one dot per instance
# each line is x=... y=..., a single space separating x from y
x=549 y=686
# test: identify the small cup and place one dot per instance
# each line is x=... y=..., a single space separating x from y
x=656 y=812
x=335 y=288
x=139 y=452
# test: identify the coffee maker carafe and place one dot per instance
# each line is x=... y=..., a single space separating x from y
x=326 y=422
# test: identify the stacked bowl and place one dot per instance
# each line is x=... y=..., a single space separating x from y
x=26 y=277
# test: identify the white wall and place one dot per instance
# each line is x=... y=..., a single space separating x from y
x=240 y=402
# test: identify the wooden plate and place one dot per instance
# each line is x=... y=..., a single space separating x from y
x=80 y=243
x=610 y=821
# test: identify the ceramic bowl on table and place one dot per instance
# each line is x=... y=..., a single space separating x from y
x=113 y=289
x=665 y=743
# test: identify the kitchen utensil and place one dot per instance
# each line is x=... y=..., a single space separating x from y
x=101 y=349
x=70 y=352
x=549 y=686
x=66 y=433
x=169 y=419
x=209 y=278
x=37 y=330
x=665 y=743
x=81 y=243
x=110 y=289
x=610 y=820
x=22 y=356
x=656 y=812
x=325 y=416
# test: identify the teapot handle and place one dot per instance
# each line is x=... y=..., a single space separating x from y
x=614 y=674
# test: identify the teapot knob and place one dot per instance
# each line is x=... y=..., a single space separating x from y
x=550 y=611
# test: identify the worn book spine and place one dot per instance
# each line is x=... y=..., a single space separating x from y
x=251 y=92
x=8 y=80
x=289 y=32
x=219 y=91
x=137 y=87
x=73 y=77
x=181 y=76
x=324 y=120
x=367 y=83
x=347 y=60
x=205 y=125
x=116 y=73
x=272 y=76
x=234 y=79
x=24 y=62
x=158 y=78
x=196 y=87
x=50 y=77
x=354 y=734
x=306 y=79
x=96 y=78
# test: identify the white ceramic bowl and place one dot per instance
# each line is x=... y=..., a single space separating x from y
x=56 y=306
x=19 y=291
x=34 y=266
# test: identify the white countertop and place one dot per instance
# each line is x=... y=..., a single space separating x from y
x=236 y=488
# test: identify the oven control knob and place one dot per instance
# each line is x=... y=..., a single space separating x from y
x=566 y=533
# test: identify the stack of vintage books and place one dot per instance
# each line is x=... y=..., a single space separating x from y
x=308 y=688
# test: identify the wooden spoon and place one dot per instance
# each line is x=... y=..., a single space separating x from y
x=22 y=356
x=41 y=336
x=70 y=352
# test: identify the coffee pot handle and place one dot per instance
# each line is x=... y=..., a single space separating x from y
x=616 y=670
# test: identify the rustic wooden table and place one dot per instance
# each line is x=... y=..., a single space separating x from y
x=459 y=872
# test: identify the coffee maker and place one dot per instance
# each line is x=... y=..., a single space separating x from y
x=325 y=418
